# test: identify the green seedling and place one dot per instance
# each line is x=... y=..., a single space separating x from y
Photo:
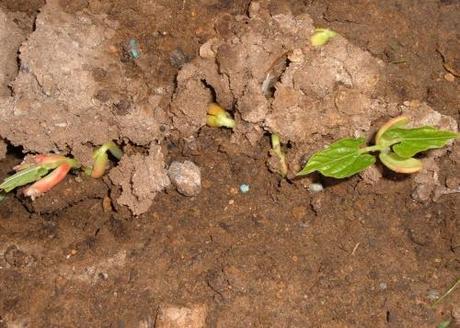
x=278 y=152
x=217 y=117
x=321 y=36
x=101 y=159
x=38 y=172
x=395 y=143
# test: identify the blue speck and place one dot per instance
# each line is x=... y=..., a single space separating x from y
x=244 y=188
x=133 y=49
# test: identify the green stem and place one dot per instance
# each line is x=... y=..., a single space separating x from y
x=276 y=147
x=371 y=149
x=276 y=143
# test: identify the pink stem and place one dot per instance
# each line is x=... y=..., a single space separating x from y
x=48 y=158
x=41 y=159
x=47 y=183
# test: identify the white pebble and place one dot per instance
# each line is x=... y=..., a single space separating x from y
x=315 y=187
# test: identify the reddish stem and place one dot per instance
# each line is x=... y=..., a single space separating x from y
x=48 y=158
x=48 y=182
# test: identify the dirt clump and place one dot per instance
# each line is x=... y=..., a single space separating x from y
x=11 y=36
x=140 y=178
x=61 y=102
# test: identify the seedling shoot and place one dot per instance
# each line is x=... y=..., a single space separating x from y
x=217 y=117
x=39 y=172
x=396 y=144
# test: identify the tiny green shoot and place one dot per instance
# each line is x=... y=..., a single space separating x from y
x=395 y=143
x=101 y=159
x=321 y=36
x=217 y=117
x=278 y=152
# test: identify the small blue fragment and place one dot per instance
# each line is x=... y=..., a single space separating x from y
x=244 y=188
x=133 y=49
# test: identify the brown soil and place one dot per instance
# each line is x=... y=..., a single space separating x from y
x=353 y=255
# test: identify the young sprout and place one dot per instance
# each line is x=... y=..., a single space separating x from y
x=278 y=152
x=396 y=144
x=217 y=117
x=48 y=182
x=101 y=158
x=37 y=172
x=321 y=36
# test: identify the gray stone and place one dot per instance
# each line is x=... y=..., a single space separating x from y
x=186 y=176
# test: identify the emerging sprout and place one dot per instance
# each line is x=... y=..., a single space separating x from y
x=276 y=150
x=321 y=36
x=217 y=117
x=37 y=172
x=396 y=144
x=101 y=159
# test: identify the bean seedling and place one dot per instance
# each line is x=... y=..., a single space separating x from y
x=395 y=143
x=38 y=172
x=101 y=158
x=278 y=152
x=217 y=117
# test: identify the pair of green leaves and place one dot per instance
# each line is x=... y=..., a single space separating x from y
x=397 y=146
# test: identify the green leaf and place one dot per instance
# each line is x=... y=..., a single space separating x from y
x=397 y=122
x=399 y=164
x=340 y=160
x=412 y=141
x=23 y=177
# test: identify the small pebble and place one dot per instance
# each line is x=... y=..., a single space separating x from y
x=174 y=316
x=315 y=187
x=449 y=77
x=244 y=188
x=186 y=176
x=383 y=285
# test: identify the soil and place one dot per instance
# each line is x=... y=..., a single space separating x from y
x=354 y=255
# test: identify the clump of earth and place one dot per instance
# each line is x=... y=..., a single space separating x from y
x=74 y=92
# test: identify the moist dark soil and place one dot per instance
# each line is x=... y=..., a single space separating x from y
x=353 y=255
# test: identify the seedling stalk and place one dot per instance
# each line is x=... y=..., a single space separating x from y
x=396 y=145
x=217 y=117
